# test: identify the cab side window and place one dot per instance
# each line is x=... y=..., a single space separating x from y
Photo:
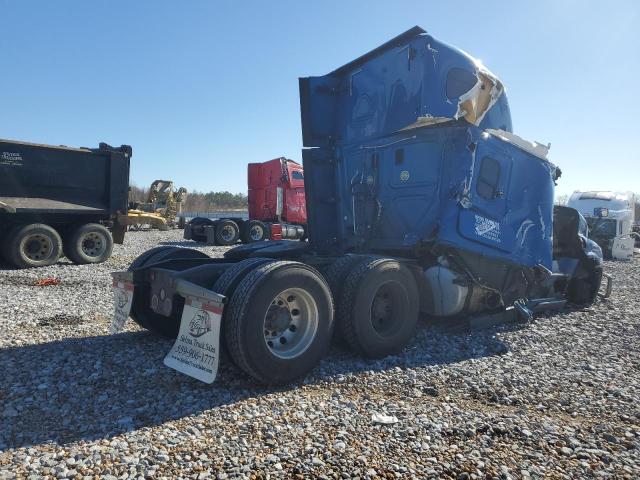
x=488 y=178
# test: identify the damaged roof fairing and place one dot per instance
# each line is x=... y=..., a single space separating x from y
x=411 y=81
x=474 y=104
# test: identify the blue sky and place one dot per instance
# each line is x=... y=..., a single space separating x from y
x=201 y=88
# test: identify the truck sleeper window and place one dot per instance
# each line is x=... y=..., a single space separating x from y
x=488 y=179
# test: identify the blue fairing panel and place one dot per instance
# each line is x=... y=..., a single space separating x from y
x=404 y=158
x=413 y=77
x=392 y=191
x=512 y=220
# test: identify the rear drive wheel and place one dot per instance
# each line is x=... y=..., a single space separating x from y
x=229 y=280
x=34 y=245
x=279 y=320
x=90 y=243
x=141 y=311
x=143 y=258
x=227 y=232
x=378 y=308
x=335 y=275
x=254 y=231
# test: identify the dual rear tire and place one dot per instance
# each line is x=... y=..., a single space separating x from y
x=90 y=243
x=254 y=231
x=227 y=231
x=279 y=317
x=278 y=320
x=377 y=307
x=40 y=245
x=33 y=245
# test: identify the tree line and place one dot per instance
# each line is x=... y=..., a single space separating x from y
x=198 y=201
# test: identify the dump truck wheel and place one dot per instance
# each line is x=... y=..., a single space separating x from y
x=254 y=231
x=378 y=309
x=278 y=322
x=141 y=312
x=227 y=232
x=34 y=245
x=90 y=243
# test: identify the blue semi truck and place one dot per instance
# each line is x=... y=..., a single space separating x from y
x=420 y=199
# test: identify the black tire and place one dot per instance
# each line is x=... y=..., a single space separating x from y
x=227 y=232
x=90 y=243
x=33 y=245
x=141 y=312
x=584 y=286
x=379 y=306
x=200 y=221
x=335 y=275
x=229 y=280
x=227 y=283
x=253 y=231
x=246 y=316
x=337 y=271
x=143 y=258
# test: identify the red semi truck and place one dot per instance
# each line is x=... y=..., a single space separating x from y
x=277 y=208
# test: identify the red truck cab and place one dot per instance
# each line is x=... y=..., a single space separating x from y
x=277 y=208
x=276 y=192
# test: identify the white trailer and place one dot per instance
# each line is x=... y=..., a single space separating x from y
x=610 y=216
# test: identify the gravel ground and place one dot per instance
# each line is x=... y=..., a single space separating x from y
x=556 y=398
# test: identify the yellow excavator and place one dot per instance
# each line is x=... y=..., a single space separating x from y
x=160 y=210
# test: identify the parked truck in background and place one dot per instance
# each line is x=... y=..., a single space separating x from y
x=58 y=201
x=610 y=217
x=419 y=199
x=277 y=208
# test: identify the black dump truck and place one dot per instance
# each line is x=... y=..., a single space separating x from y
x=56 y=200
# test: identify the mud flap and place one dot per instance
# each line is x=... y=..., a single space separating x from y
x=117 y=232
x=123 y=299
x=196 y=351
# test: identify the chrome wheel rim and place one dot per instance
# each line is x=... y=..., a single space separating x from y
x=228 y=233
x=256 y=233
x=37 y=247
x=291 y=323
x=93 y=244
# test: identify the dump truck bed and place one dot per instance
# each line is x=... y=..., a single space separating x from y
x=47 y=179
x=46 y=205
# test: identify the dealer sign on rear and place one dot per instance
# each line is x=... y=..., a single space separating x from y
x=196 y=350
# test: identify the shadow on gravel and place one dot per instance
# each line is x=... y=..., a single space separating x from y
x=98 y=387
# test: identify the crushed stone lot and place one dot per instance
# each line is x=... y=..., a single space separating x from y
x=555 y=398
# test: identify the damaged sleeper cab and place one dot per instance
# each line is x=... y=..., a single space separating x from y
x=419 y=199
